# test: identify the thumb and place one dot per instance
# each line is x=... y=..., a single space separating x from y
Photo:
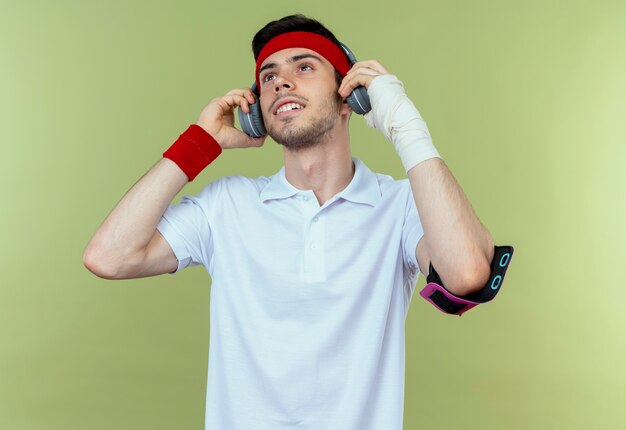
x=256 y=141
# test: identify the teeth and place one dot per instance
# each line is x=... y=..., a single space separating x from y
x=289 y=106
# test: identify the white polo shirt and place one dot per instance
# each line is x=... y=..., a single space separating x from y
x=308 y=302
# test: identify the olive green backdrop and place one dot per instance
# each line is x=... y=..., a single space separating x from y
x=526 y=102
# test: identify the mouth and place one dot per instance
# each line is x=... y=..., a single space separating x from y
x=288 y=107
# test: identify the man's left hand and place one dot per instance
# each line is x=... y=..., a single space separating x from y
x=361 y=74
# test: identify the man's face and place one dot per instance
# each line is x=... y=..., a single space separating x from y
x=299 y=98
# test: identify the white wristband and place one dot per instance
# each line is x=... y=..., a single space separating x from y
x=396 y=117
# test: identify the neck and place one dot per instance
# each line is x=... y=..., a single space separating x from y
x=325 y=168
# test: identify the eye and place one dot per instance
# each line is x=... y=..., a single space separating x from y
x=305 y=67
x=268 y=77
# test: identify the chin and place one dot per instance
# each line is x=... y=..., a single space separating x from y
x=300 y=138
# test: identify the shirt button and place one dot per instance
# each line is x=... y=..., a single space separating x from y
x=305 y=198
x=316 y=218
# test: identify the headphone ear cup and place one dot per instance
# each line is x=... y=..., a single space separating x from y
x=359 y=101
x=252 y=122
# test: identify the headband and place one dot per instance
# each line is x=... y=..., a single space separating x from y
x=303 y=39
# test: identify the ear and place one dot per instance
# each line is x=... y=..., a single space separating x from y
x=345 y=107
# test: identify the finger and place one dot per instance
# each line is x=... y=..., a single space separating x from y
x=257 y=141
x=247 y=93
x=370 y=67
x=242 y=140
x=354 y=80
x=239 y=91
x=371 y=64
x=233 y=101
x=362 y=70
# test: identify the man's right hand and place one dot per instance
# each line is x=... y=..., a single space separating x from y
x=218 y=119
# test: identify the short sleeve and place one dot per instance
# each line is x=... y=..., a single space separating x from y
x=412 y=232
x=186 y=228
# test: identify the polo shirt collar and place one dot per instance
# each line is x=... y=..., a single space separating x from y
x=363 y=188
x=278 y=187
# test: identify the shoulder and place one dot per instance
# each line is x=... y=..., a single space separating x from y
x=387 y=183
x=380 y=186
x=393 y=188
x=233 y=185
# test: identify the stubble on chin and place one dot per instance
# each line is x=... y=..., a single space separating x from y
x=314 y=132
x=295 y=137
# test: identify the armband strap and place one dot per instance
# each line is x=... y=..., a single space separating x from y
x=445 y=301
x=193 y=151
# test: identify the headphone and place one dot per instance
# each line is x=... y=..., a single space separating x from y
x=252 y=122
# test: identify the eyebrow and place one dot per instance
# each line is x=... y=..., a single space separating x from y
x=290 y=60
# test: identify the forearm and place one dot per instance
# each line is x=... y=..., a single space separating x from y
x=459 y=246
x=126 y=244
x=130 y=226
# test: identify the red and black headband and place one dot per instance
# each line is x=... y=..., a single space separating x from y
x=304 y=39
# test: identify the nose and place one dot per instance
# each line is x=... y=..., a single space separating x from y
x=282 y=83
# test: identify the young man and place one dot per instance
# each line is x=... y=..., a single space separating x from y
x=312 y=268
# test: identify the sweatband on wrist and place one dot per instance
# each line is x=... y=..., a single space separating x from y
x=395 y=115
x=193 y=151
x=304 y=39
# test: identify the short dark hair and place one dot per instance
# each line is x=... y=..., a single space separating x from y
x=287 y=24
x=297 y=22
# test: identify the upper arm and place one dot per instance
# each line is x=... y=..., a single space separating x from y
x=155 y=259
x=423 y=259
x=158 y=258
x=460 y=282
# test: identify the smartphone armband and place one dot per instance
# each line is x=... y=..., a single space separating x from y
x=445 y=301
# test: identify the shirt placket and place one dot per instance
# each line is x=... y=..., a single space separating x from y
x=314 y=243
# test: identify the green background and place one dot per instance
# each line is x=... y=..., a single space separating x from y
x=526 y=102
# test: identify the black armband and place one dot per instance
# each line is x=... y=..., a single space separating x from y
x=445 y=301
